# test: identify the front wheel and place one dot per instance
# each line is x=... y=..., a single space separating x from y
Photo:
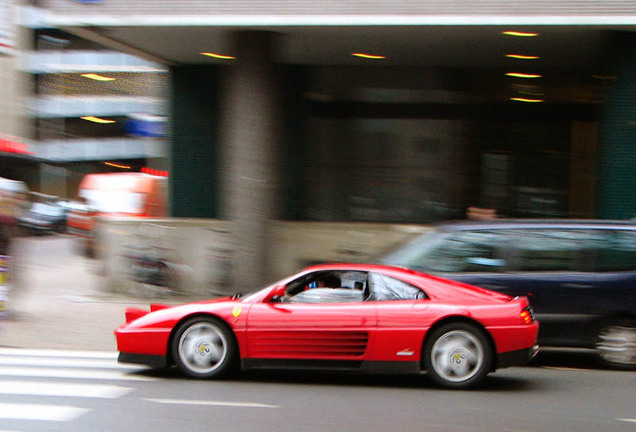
x=60 y=227
x=457 y=355
x=204 y=347
x=616 y=344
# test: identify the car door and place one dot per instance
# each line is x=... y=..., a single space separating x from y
x=403 y=317
x=311 y=331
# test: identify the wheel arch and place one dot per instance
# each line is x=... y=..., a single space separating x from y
x=606 y=319
x=624 y=319
x=465 y=320
x=178 y=324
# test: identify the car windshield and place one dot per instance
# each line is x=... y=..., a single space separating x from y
x=454 y=251
x=46 y=209
x=414 y=254
x=249 y=297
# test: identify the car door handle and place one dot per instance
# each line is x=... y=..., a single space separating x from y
x=492 y=286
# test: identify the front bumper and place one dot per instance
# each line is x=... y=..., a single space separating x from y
x=154 y=361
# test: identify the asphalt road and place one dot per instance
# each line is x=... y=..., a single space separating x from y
x=87 y=391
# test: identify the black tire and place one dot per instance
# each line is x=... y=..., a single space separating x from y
x=616 y=344
x=457 y=355
x=60 y=227
x=204 y=347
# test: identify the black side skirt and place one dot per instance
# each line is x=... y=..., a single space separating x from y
x=504 y=360
x=333 y=365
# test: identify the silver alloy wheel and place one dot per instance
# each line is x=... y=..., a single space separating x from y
x=616 y=345
x=457 y=356
x=202 y=348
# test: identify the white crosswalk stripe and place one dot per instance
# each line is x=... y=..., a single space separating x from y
x=68 y=390
x=63 y=362
x=24 y=352
x=44 y=378
x=13 y=411
x=66 y=373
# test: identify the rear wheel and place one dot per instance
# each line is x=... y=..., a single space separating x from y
x=457 y=355
x=616 y=344
x=204 y=347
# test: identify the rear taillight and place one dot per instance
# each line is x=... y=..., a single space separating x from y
x=527 y=315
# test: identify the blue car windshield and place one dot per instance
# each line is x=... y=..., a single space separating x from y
x=415 y=254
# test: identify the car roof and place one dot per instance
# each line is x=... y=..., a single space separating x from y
x=361 y=267
x=536 y=223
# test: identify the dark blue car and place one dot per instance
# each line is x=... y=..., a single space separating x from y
x=580 y=275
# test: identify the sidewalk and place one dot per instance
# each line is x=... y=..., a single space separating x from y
x=58 y=303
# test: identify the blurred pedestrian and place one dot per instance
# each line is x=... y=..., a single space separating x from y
x=479 y=213
x=13 y=201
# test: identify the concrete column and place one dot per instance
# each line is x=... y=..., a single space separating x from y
x=616 y=180
x=250 y=158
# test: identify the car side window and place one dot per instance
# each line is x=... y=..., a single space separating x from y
x=326 y=287
x=615 y=251
x=552 y=250
x=470 y=252
x=382 y=288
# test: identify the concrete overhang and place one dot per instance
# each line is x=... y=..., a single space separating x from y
x=570 y=41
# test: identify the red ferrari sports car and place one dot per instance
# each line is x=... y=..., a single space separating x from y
x=340 y=317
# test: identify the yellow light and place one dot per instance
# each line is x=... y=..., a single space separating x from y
x=604 y=77
x=117 y=165
x=519 y=34
x=518 y=99
x=218 y=56
x=97 y=120
x=523 y=75
x=97 y=77
x=522 y=57
x=368 y=56
x=526 y=317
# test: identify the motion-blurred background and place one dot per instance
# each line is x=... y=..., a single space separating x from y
x=289 y=133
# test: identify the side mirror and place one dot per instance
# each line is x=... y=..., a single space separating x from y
x=275 y=295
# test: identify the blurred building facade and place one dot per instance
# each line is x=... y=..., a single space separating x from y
x=377 y=111
x=15 y=162
x=75 y=106
x=12 y=89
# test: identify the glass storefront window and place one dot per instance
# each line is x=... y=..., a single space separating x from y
x=378 y=151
